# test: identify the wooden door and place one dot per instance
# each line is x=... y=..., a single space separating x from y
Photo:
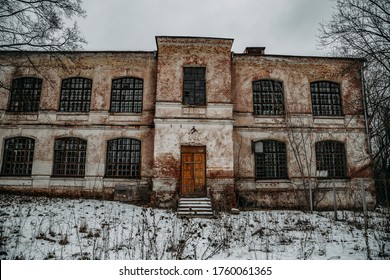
x=193 y=170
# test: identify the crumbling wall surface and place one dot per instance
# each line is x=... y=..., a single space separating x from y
x=101 y=67
x=96 y=127
x=296 y=74
x=174 y=53
x=297 y=127
x=178 y=124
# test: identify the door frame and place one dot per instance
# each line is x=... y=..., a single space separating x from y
x=189 y=147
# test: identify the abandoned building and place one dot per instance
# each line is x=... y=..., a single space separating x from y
x=192 y=119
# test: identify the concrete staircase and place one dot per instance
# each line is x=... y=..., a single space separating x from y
x=200 y=207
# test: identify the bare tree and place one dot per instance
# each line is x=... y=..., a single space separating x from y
x=40 y=25
x=362 y=28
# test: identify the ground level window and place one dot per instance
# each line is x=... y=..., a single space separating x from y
x=124 y=158
x=69 y=157
x=331 y=160
x=270 y=160
x=18 y=156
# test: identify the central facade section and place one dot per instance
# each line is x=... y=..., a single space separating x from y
x=193 y=145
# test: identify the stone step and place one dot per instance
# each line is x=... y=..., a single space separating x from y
x=195 y=208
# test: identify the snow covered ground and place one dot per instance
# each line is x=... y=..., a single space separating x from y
x=51 y=228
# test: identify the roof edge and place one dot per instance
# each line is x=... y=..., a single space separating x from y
x=303 y=56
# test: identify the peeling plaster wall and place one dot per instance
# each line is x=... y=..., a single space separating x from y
x=174 y=121
x=97 y=127
x=299 y=129
x=226 y=125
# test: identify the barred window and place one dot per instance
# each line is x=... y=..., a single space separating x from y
x=25 y=95
x=69 y=157
x=18 y=156
x=194 y=86
x=124 y=158
x=270 y=160
x=126 y=95
x=326 y=99
x=76 y=95
x=331 y=160
x=267 y=97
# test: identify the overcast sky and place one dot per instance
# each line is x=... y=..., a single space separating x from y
x=282 y=26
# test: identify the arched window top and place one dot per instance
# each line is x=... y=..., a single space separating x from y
x=325 y=84
x=25 y=94
x=127 y=95
x=326 y=98
x=270 y=82
x=71 y=140
x=123 y=141
x=76 y=94
x=126 y=80
x=268 y=97
x=18 y=156
x=76 y=80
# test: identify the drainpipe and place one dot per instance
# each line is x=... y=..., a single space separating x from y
x=365 y=107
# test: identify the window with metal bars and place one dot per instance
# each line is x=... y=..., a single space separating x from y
x=124 y=158
x=270 y=160
x=76 y=95
x=126 y=95
x=326 y=99
x=18 y=156
x=194 y=86
x=25 y=95
x=69 y=157
x=331 y=160
x=267 y=97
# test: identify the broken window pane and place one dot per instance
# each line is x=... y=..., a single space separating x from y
x=267 y=97
x=331 y=160
x=126 y=95
x=270 y=160
x=124 y=158
x=76 y=95
x=18 y=156
x=69 y=157
x=194 y=86
x=25 y=95
x=326 y=99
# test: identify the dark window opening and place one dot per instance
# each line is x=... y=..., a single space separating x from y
x=76 y=95
x=69 y=157
x=25 y=95
x=18 y=156
x=124 y=158
x=194 y=86
x=126 y=95
x=270 y=160
x=331 y=160
x=267 y=97
x=326 y=99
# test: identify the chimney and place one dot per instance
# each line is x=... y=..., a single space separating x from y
x=255 y=50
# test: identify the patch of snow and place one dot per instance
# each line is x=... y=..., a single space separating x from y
x=51 y=228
